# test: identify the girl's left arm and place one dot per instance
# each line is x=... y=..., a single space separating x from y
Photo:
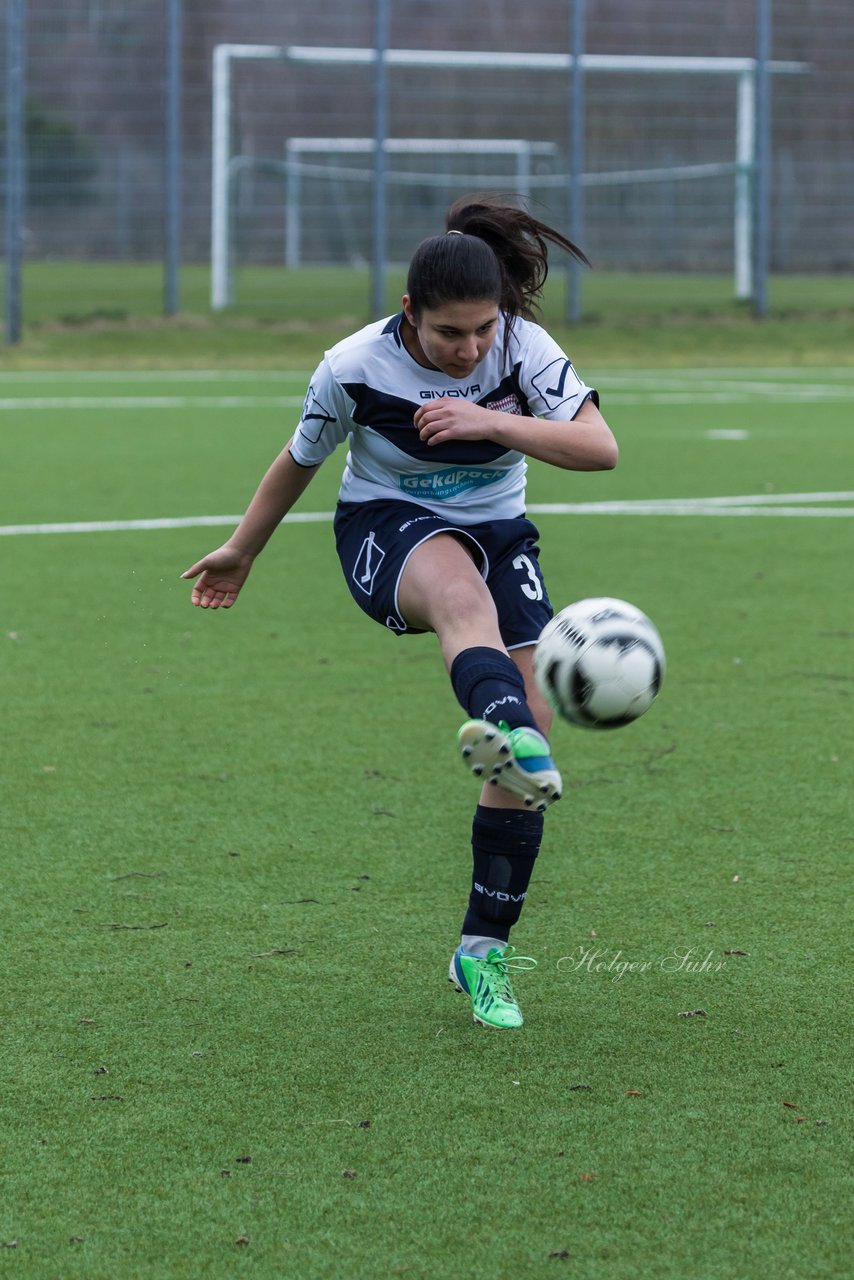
x=584 y=443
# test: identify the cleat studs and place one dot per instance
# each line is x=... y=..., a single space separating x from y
x=477 y=770
x=505 y=750
x=467 y=752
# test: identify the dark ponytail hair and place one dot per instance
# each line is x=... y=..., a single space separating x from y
x=496 y=251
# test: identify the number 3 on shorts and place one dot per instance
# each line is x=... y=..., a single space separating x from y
x=533 y=588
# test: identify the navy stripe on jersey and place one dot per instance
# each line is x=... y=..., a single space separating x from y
x=392 y=418
x=393 y=327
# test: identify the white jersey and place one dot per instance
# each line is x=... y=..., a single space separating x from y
x=368 y=388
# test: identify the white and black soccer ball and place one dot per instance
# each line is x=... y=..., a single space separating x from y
x=599 y=663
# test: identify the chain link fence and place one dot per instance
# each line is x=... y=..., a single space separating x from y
x=663 y=150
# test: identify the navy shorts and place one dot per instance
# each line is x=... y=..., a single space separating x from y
x=375 y=540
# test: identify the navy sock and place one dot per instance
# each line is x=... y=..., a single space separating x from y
x=505 y=844
x=489 y=686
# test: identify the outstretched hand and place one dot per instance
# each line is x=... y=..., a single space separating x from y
x=220 y=577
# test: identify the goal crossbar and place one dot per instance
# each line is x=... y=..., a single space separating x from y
x=490 y=60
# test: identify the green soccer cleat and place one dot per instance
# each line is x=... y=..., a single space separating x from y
x=487 y=982
x=517 y=760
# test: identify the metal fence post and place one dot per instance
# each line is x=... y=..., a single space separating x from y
x=380 y=135
x=16 y=177
x=576 y=156
x=174 y=159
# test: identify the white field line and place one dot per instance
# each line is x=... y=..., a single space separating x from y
x=154 y=375
x=686 y=509
x=151 y=402
x=764 y=504
x=696 y=386
x=762 y=378
x=167 y=522
x=732 y=393
x=747 y=499
x=737 y=395
x=631 y=377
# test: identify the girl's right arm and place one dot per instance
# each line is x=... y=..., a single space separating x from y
x=222 y=573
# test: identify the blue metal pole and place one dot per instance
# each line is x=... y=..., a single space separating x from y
x=762 y=159
x=380 y=135
x=16 y=178
x=174 y=160
x=576 y=156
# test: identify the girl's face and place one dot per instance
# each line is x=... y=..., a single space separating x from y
x=453 y=338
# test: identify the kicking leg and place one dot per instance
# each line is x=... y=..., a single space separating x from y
x=441 y=590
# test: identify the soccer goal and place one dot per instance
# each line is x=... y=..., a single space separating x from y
x=348 y=164
x=521 y=154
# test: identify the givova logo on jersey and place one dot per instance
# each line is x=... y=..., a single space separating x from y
x=450 y=482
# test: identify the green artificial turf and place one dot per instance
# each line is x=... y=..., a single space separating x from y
x=235 y=864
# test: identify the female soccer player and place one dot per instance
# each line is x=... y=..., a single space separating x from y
x=440 y=405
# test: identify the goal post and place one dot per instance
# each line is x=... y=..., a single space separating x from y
x=741 y=169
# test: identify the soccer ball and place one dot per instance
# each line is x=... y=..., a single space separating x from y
x=599 y=663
